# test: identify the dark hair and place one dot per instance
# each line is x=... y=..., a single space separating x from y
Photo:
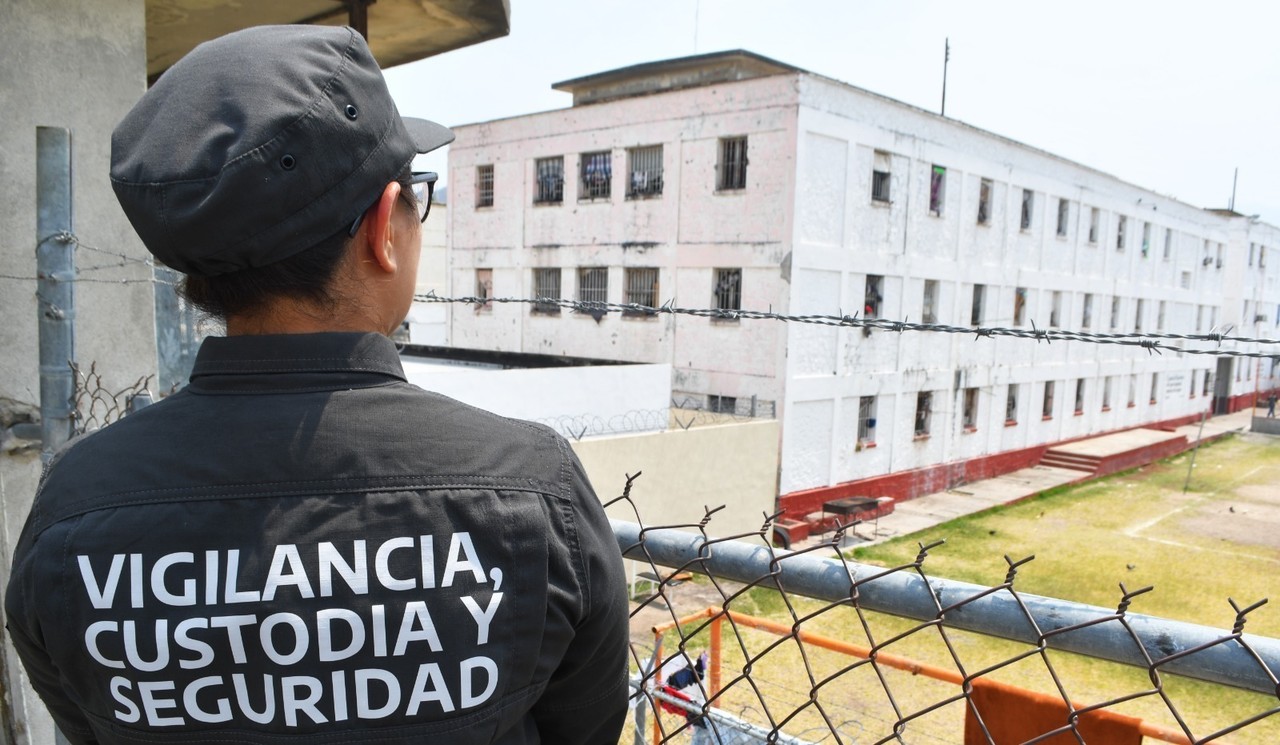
x=306 y=276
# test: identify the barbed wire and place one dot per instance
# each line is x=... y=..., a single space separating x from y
x=1143 y=340
x=122 y=261
x=93 y=405
x=578 y=426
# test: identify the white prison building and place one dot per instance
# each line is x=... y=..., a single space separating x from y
x=732 y=181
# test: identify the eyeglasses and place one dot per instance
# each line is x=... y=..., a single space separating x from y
x=423 y=185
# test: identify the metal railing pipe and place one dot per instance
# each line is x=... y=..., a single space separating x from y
x=55 y=289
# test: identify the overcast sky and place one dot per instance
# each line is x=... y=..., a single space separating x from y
x=1171 y=96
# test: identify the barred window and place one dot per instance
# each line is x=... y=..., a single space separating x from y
x=1028 y=202
x=924 y=413
x=593 y=284
x=484 y=290
x=975 y=310
x=880 y=177
x=642 y=289
x=1120 y=226
x=969 y=412
x=644 y=172
x=984 y=201
x=1011 y=405
x=1079 y=396
x=1046 y=408
x=549 y=180
x=937 y=190
x=484 y=186
x=546 y=286
x=596 y=175
x=1064 y=211
x=866 y=419
x=872 y=296
x=728 y=289
x=732 y=168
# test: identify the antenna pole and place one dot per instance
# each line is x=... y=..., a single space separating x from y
x=1234 y=178
x=946 y=57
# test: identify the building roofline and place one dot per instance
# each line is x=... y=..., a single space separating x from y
x=673 y=64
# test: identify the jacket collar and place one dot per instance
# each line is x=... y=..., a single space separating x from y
x=329 y=360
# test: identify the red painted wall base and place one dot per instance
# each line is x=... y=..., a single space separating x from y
x=906 y=485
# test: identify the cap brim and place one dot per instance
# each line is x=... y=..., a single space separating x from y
x=427 y=135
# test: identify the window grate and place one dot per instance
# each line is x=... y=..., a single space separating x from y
x=1064 y=212
x=866 y=419
x=924 y=413
x=733 y=164
x=728 y=289
x=593 y=284
x=549 y=185
x=644 y=172
x=929 y=304
x=484 y=290
x=937 y=190
x=722 y=404
x=596 y=175
x=1011 y=404
x=984 y=201
x=1028 y=201
x=484 y=186
x=642 y=289
x=546 y=285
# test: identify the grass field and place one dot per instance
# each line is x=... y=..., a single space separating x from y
x=1219 y=539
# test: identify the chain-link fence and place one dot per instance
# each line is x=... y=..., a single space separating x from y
x=94 y=406
x=807 y=646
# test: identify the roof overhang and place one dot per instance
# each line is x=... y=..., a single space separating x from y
x=671 y=75
x=399 y=31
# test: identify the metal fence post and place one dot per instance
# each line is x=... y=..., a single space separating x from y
x=55 y=292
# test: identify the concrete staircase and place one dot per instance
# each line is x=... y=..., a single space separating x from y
x=1074 y=461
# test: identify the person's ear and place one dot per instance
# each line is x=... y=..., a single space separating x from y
x=380 y=231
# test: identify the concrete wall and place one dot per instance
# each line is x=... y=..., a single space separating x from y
x=686 y=471
x=78 y=65
x=686 y=232
x=842 y=235
x=576 y=401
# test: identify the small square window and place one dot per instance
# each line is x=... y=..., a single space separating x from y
x=1064 y=211
x=484 y=186
x=1011 y=404
x=1046 y=408
x=1146 y=239
x=644 y=172
x=1028 y=203
x=1121 y=223
x=593 y=284
x=1079 y=396
x=1095 y=217
x=596 y=175
x=546 y=287
x=732 y=168
x=642 y=289
x=975 y=310
x=727 y=292
x=549 y=180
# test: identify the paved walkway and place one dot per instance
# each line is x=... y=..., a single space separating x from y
x=929 y=510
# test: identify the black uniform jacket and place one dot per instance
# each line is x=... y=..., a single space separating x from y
x=302 y=547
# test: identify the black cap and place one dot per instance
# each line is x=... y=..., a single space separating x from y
x=260 y=144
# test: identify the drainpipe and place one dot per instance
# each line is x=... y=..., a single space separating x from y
x=55 y=292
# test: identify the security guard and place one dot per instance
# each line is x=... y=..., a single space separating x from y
x=301 y=547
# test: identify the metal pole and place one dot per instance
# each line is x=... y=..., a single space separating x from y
x=946 y=57
x=999 y=614
x=1194 y=450
x=55 y=291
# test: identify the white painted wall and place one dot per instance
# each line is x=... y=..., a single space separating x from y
x=576 y=401
x=807 y=234
x=429 y=322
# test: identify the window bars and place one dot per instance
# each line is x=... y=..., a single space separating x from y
x=596 y=175
x=641 y=289
x=644 y=172
x=593 y=284
x=548 y=180
x=546 y=286
x=727 y=293
x=732 y=168
x=484 y=186
x=880 y=178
